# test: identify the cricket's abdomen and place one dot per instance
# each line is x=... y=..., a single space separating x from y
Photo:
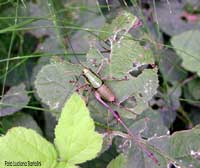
x=106 y=93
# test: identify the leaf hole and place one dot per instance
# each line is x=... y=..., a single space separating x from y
x=137 y=69
x=173 y=165
x=143 y=43
x=189 y=17
x=183 y=18
x=140 y=94
x=155 y=107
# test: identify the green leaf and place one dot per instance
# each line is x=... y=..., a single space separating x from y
x=126 y=57
x=137 y=158
x=124 y=54
x=180 y=149
x=186 y=46
x=169 y=105
x=65 y=165
x=138 y=90
x=53 y=83
x=94 y=58
x=76 y=139
x=14 y=100
x=170 y=67
x=149 y=124
x=23 y=145
x=118 y=162
x=119 y=26
x=194 y=89
x=185 y=147
x=141 y=88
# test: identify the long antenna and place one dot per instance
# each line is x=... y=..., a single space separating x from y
x=73 y=51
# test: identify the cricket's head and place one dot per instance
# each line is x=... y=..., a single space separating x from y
x=85 y=71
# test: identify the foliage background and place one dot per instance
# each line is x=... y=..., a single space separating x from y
x=33 y=31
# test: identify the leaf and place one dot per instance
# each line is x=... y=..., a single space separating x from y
x=94 y=58
x=186 y=46
x=52 y=42
x=23 y=145
x=194 y=116
x=185 y=147
x=14 y=100
x=118 y=162
x=76 y=139
x=176 y=149
x=119 y=26
x=168 y=105
x=194 y=89
x=81 y=39
x=53 y=83
x=20 y=119
x=142 y=88
x=149 y=124
x=138 y=158
x=65 y=165
x=124 y=54
x=126 y=57
x=50 y=122
x=170 y=17
x=170 y=67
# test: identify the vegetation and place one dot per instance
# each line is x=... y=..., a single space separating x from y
x=137 y=107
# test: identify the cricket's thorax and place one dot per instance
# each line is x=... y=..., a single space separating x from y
x=98 y=84
x=92 y=78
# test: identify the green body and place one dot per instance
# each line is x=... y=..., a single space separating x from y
x=93 y=79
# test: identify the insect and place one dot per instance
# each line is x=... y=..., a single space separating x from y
x=104 y=94
x=96 y=82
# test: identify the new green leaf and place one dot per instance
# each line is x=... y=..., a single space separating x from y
x=23 y=145
x=76 y=139
x=65 y=165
